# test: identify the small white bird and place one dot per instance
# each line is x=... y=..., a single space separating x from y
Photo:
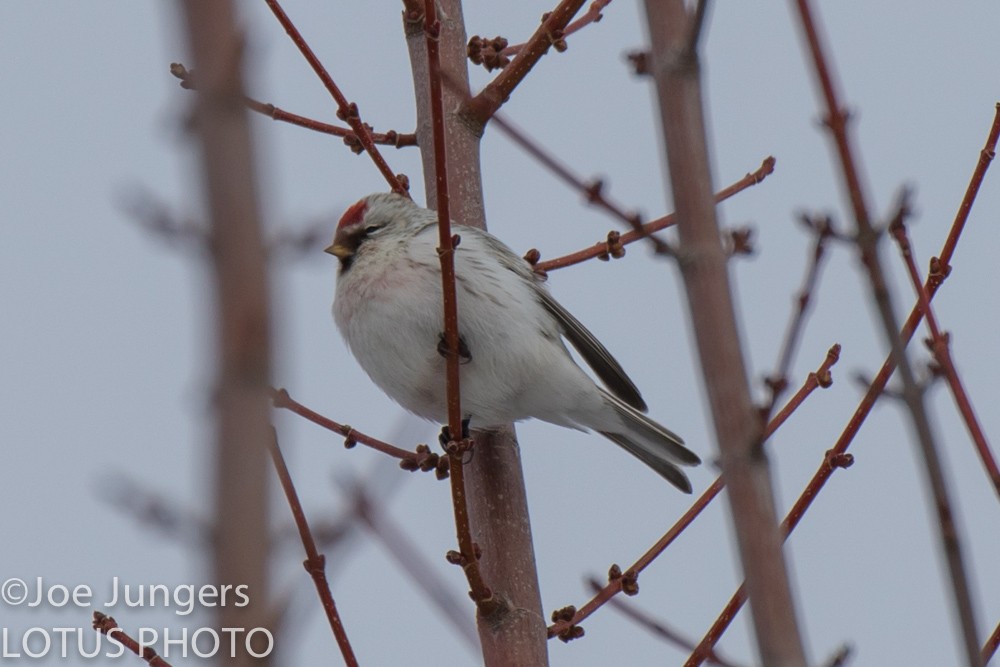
x=388 y=307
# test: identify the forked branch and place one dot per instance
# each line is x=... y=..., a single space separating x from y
x=836 y=120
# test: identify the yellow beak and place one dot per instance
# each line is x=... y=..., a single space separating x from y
x=338 y=250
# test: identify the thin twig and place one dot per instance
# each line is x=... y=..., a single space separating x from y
x=407 y=555
x=655 y=626
x=601 y=249
x=837 y=456
x=820 y=378
x=986 y=156
x=778 y=380
x=459 y=444
x=159 y=513
x=990 y=647
x=480 y=108
x=315 y=562
x=697 y=27
x=421 y=459
x=867 y=237
x=592 y=15
x=390 y=138
x=592 y=190
x=940 y=346
x=107 y=625
x=346 y=111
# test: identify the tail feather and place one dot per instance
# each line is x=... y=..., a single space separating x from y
x=653 y=444
x=666 y=468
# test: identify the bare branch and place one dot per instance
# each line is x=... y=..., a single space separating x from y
x=390 y=138
x=346 y=111
x=656 y=626
x=990 y=647
x=939 y=343
x=822 y=230
x=564 y=625
x=702 y=262
x=244 y=328
x=601 y=249
x=592 y=15
x=837 y=457
x=315 y=562
x=867 y=237
x=107 y=625
x=550 y=33
x=421 y=459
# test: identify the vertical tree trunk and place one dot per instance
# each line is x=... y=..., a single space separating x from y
x=703 y=265
x=240 y=535
x=515 y=634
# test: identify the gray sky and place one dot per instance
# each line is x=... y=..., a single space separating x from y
x=107 y=362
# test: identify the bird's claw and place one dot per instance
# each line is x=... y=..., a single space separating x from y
x=445 y=436
x=464 y=355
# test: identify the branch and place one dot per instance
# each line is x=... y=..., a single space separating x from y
x=565 y=626
x=604 y=249
x=243 y=330
x=592 y=15
x=421 y=459
x=822 y=230
x=702 y=262
x=459 y=444
x=513 y=633
x=107 y=625
x=593 y=190
x=390 y=138
x=656 y=626
x=940 y=345
x=346 y=111
x=836 y=122
x=990 y=647
x=837 y=456
x=315 y=562
x=479 y=109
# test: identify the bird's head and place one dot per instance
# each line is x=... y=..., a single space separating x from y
x=367 y=219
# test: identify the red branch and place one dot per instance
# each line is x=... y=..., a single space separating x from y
x=315 y=562
x=601 y=248
x=390 y=138
x=107 y=625
x=422 y=459
x=593 y=190
x=820 y=378
x=459 y=444
x=939 y=343
x=990 y=647
x=484 y=105
x=837 y=456
x=346 y=111
x=822 y=231
x=592 y=15
x=656 y=626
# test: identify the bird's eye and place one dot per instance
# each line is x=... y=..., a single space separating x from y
x=371 y=229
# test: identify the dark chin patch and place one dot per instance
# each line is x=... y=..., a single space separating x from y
x=346 y=263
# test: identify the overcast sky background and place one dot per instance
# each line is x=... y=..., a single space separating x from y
x=107 y=353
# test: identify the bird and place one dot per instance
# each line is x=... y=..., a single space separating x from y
x=514 y=363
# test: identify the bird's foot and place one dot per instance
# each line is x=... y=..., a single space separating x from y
x=445 y=436
x=464 y=355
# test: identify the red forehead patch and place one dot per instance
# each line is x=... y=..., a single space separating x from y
x=353 y=214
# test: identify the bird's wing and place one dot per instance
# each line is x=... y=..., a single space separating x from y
x=594 y=353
